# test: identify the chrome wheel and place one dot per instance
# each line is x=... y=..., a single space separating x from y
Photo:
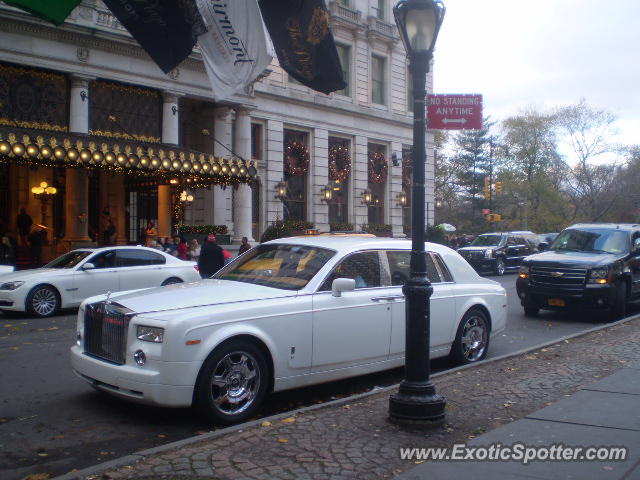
x=474 y=338
x=235 y=383
x=44 y=301
x=500 y=267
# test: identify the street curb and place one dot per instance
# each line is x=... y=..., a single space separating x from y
x=135 y=457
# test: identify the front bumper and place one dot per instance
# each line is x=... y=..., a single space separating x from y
x=152 y=385
x=482 y=264
x=587 y=298
x=12 y=300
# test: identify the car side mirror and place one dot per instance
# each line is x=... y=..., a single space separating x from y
x=340 y=285
x=542 y=246
x=88 y=266
x=636 y=245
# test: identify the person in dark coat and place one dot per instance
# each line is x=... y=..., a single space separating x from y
x=23 y=222
x=35 y=239
x=244 y=246
x=7 y=252
x=211 y=257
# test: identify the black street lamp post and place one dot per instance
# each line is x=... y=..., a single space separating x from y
x=417 y=402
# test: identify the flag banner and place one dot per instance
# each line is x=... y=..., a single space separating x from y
x=166 y=29
x=236 y=48
x=304 y=43
x=53 y=10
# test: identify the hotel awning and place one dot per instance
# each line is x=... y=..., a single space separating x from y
x=160 y=161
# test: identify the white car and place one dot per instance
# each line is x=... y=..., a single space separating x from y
x=6 y=269
x=288 y=313
x=69 y=279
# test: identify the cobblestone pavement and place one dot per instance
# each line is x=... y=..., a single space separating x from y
x=356 y=441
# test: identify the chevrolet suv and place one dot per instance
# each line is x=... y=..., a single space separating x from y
x=497 y=252
x=588 y=266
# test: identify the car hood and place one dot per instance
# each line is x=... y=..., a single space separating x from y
x=185 y=295
x=570 y=258
x=35 y=274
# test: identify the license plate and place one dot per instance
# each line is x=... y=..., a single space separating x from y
x=556 y=302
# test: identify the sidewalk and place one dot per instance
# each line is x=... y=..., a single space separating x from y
x=530 y=398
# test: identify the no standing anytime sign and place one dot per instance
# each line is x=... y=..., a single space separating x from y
x=454 y=112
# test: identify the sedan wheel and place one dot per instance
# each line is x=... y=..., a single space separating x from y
x=499 y=268
x=472 y=339
x=43 y=301
x=232 y=384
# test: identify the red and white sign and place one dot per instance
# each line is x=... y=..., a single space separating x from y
x=486 y=211
x=454 y=112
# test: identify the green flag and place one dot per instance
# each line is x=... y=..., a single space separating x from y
x=53 y=10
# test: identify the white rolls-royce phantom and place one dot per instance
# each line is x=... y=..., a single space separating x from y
x=288 y=313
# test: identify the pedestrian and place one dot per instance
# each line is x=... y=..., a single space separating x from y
x=170 y=247
x=211 y=257
x=23 y=222
x=194 y=250
x=35 y=240
x=244 y=246
x=181 y=247
x=151 y=233
x=7 y=252
x=108 y=227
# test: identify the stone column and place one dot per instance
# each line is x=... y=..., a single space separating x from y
x=77 y=180
x=319 y=170
x=360 y=182
x=170 y=131
x=164 y=210
x=242 y=202
x=274 y=169
x=222 y=197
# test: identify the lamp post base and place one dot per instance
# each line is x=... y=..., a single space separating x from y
x=417 y=403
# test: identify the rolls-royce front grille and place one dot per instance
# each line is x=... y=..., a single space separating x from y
x=558 y=277
x=105 y=332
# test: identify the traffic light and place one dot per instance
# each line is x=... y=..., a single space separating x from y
x=498 y=187
x=487 y=188
x=494 y=217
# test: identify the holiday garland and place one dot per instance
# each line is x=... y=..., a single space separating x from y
x=378 y=167
x=296 y=158
x=339 y=163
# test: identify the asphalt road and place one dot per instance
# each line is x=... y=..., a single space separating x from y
x=52 y=422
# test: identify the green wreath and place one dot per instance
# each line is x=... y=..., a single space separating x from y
x=296 y=158
x=378 y=167
x=339 y=163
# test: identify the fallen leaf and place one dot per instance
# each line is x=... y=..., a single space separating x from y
x=42 y=454
x=58 y=437
x=201 y=432
x=14 y=348
x=266 y=423
x=104 y=453
x=289 y=420
x=449 y=406
x=52 y=328
x=283 y=440
x=38 y=476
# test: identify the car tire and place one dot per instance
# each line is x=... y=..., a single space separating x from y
x=619 y=308
x=530 y=309
x=43 y=301
x=498 y=269
x=232 y=383
x=472 y=338
x=171 y=281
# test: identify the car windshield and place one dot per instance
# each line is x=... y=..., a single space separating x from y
x=592 y=240
x=68 y=260
x=289 y=267
x=486 y=241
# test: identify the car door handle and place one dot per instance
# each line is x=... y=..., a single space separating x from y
x=390 y=298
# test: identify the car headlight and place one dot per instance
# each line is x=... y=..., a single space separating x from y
x=150 y=334
x=524 y=271
x=599 y=275
x=488 y=253
x=11 y=285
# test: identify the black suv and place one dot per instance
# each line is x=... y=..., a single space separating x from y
x=497 y=252
x=588 y=266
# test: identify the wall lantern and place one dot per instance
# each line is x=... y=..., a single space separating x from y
x=281 y=191
x=326 y=193
x=401 y=199
x=367 y=197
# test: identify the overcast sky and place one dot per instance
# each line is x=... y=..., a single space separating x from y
x=544 y=53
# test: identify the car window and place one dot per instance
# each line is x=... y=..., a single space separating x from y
x=592 y=240
x=68 y=260
x=512 y=241
x=399 y=267
x=135 y=258
x=487 y=241
x=284 y=266
x=444 y=270
x=104 y=259
x=521 y=241
x=363 y=267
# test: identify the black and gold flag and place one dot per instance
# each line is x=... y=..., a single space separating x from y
x=300 y=33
